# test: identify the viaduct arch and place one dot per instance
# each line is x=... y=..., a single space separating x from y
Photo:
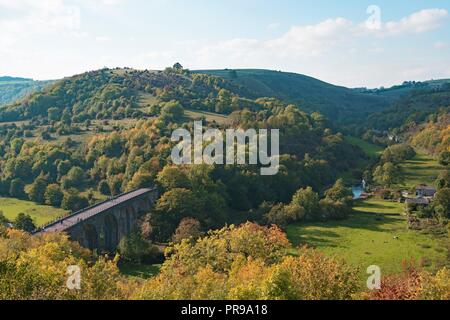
x=103 y=225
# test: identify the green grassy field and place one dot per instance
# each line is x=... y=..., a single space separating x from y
x=40 y=214
x=376 y=233
x=421 y=169
x=219 y=118
x=368 y=237
x=146 y=100
x=370 y=149
x=140 y=271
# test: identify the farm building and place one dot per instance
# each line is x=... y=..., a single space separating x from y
x=425 y=191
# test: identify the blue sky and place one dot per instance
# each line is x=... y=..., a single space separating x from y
x=335 y=41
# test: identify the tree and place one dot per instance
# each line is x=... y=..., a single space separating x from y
x=37 y=190
x=53 y=195
x=17 y=189
x=309 y=200
x=63 y=168
x=24 y=222
x=188 y=228
x=172 y=111
x=45 y=135
x=141 y=180
x=283 y=215
x=442 y=202
x=73 y=201
x=224 y=100
x=339 y=192
x=3 y=220
x=443 y=180
x=177 y=66
x=387 y=174
x=66 y=117
x=398 y=153
x=75 y=178
x=16 y=145
x=444 y=158
x=103 y=188
x=134 y=248
x=173 y=177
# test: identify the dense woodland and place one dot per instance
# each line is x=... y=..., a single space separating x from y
x=61 y=174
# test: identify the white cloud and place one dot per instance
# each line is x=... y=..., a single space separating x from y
x=319 y=39
x=31 y=18
x=311 y=40
x=418 y=22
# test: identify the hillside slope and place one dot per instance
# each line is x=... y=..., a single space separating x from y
x=119 y=93
x=342 y=105
x=413 y=109
x=12 y=88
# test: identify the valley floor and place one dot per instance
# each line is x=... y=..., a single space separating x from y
x=377 y=233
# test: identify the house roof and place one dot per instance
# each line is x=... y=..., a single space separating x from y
x=426 y=188
x=417 y=201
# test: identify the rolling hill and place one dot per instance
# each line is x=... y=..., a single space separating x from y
x=341 y=105
x=13 y=88
x=106 y=93
x=414 y=108
x=92 y=94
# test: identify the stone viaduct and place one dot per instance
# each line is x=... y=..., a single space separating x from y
x=103 y=225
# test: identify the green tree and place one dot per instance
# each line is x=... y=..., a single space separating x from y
x=141 y=180
x=66 y=117
x=75 y=178
x=339 y=192
x=444 y=158
x=398 y=153
x=24 y=222
x=63 y=168
x=3 y=220
x=442 y=202
x=53 y=195
x=73 y=201
x=173 y=177
x=443 y=180
x=37 y=190
x=17 y=189
x=309 y=200
x=387 y=174
x=103 y=188
x=134 y=248
x=172 y=111
x=16 y=145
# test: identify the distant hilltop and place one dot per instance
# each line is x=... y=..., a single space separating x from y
x=15 y=79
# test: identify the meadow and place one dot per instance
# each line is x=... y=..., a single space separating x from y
x=209 y=116
x=422 y=169
x=369 y=148
x=377 y=233
x=39 y=213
